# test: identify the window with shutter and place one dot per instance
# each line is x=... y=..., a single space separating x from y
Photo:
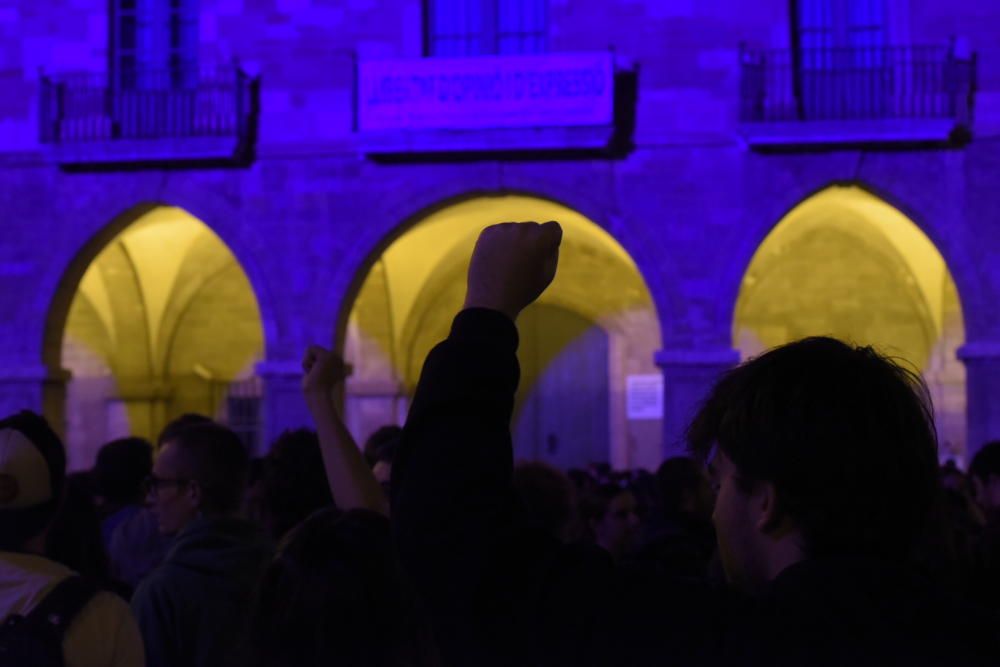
x=483 y=27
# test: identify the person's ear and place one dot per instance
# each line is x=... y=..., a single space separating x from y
x=978 y=490
x=769 y=514
x=195 y=494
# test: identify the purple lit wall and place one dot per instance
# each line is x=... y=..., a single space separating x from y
x=720 y=119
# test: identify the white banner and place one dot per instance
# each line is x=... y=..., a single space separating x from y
x=555 y=90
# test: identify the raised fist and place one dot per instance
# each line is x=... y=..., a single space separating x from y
x=512 y=265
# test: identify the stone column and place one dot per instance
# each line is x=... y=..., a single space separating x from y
x=688 y=375
x=282 y=405
x=982 y=393
x=34 y=387
x=146 y=400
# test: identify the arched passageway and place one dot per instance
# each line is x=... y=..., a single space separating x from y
x=162 y=322
x=846 y=263
x=591 y=336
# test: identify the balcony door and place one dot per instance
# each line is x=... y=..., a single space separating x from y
x=843 y=68
x=154 y=68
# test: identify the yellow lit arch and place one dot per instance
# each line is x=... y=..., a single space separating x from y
x=408 y=298
x=161 y=322
x=846 y=263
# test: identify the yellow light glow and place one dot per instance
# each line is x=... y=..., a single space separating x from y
x=596 y=276
x=445 y=240
x=164 y=298
x=412 y=292
x=158 y=245
x=847 y=264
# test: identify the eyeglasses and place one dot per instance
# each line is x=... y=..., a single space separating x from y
x=153 y=484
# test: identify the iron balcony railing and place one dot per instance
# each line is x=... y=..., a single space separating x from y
x=167 y=104
x=840 y=84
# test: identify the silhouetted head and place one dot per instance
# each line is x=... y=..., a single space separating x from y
x=984 y=472
x=334 y=594
x=201 y=469
x=185 y=420
x=121 y=469
x=74 y=537
x=684 y=488
x=817 y=448
x=32 y=478
x=610 y=513
x=548 y=498
x=293 y=481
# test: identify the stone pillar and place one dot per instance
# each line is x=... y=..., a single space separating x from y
x=982 y=393
x=146 y=400
x=34 y=387
x=688 y=375
x=282 y=405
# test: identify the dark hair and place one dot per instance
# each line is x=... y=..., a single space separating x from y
x=294 y=483
x=547 y=496
x=582 y=480
x=381 y=445
x=169 y=431
x=121 y=467
x=595 y=503
x=256 y=470
x=19 y=525
x=677 y=478
x=845 y=435
x=74 y=539
x=214 y=456
x=986 y=462
x=335 y=595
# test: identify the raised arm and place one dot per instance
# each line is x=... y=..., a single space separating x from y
x=453 y=509
x=351 y=481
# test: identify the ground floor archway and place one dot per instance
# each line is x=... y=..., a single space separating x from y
x=848 y=264
x=594 y=332
x=163 y=321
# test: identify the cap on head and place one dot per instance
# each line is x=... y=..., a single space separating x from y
x=25 y=478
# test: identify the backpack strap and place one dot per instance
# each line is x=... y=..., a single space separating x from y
x=58 y=609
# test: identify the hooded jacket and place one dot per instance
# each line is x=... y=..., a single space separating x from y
x=192 y=609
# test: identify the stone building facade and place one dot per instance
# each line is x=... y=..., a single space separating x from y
x=193 y=191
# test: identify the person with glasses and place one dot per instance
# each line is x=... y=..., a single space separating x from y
x=129 y=530
x=192 y=608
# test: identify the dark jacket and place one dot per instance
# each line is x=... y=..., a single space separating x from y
x=192 y=609
x=501 y=594
x=134 y=544
x=677 y=545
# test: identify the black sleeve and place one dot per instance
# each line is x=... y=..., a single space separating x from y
x=452 y=499
x=496 y=591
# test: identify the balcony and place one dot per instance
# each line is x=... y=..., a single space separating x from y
x=149 y=117
x=891 y=95
x=488 y=104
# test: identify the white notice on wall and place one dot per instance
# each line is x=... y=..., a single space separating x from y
x=644 y=396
